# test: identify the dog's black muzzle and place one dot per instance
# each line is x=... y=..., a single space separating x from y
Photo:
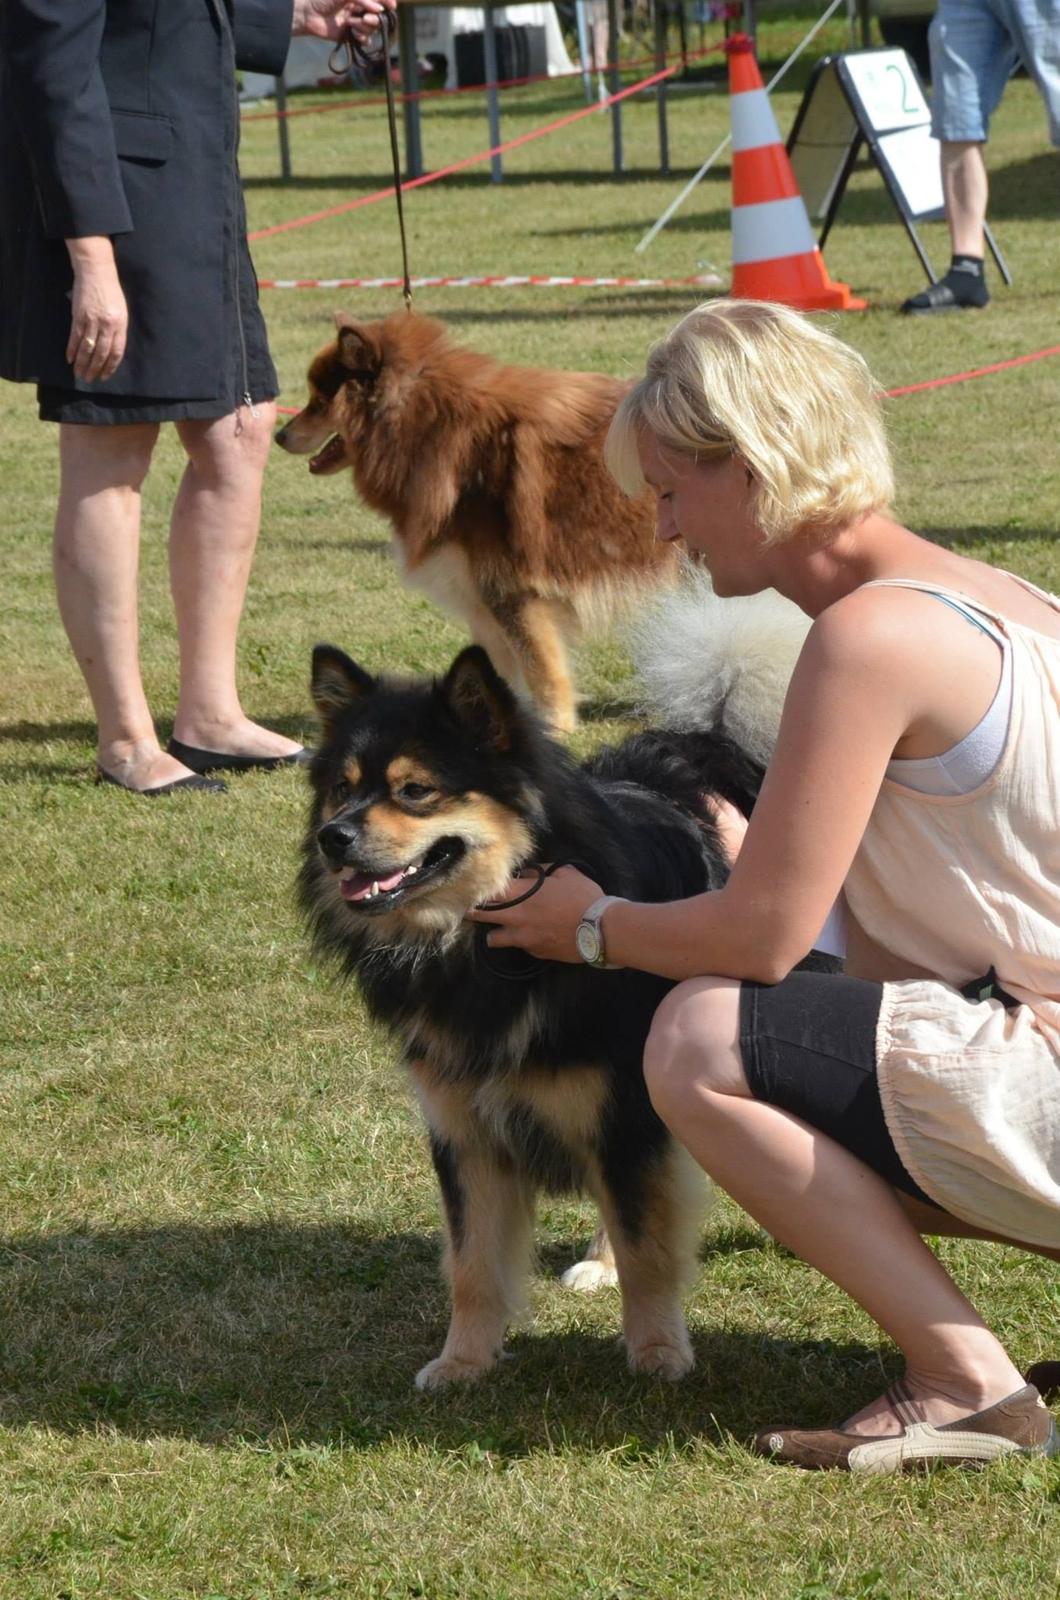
x=338 y=840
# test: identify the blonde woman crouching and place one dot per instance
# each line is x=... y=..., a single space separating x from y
x=913 y=793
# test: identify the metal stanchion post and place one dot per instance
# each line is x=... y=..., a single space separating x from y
x=284 y=132
x=661 y=20
x=409 y=80
x=489 y=48
x=614 y=83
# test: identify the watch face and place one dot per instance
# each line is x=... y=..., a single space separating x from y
x=587 y=938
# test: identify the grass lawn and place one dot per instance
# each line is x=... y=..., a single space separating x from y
x=218 y=1267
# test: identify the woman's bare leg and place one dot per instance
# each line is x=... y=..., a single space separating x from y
x=213 y=534
x=96 y=561
x=823 y=1203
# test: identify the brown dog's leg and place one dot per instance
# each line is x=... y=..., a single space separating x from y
x=656 y=1261
x=489 y=1211
x=537 y=630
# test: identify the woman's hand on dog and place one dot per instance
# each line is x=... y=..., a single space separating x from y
x=544 y=924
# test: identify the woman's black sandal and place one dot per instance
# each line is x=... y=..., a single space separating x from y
x=202 y=761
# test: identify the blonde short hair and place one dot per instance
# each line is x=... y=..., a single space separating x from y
x=756 y=380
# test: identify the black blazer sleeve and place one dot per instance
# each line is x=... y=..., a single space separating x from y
x=262 y=33
x=50 y=53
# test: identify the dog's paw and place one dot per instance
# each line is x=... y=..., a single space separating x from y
x=588 y=1275
x=668 y=1360
x=444 y=1370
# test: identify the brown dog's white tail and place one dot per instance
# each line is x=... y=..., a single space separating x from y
x=704 y=662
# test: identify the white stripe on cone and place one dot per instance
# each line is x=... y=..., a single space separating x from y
x=770 y=230
x=753 y=122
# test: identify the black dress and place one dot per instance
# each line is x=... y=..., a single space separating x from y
x=142 y=147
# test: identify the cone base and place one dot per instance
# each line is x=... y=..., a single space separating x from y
x=800 y=281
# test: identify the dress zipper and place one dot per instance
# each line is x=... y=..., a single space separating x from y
x=226 y=29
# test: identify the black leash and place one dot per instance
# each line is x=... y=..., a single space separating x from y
x=525 y=966
x=366 y=57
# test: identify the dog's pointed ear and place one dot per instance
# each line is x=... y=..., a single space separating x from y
x=479 y=698
x=337 y=683
x=359 y=351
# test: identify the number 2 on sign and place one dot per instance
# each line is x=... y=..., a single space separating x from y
x=907 y=108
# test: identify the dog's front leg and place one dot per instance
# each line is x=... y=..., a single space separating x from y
x=489 y=1213
x=654 y=1212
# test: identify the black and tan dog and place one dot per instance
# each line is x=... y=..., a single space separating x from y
x=428 y=796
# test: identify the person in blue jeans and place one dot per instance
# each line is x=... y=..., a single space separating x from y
x=975 y=47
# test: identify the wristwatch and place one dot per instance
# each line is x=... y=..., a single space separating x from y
x=589 y=936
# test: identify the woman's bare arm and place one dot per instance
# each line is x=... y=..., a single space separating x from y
x=857 y=686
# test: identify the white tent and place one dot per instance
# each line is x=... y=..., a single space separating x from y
x=307 y=61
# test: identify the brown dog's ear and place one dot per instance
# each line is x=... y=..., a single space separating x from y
x=358 y=350
x=337 y=683
x=480 y=698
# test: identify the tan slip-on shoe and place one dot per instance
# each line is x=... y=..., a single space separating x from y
x=1018 y=1425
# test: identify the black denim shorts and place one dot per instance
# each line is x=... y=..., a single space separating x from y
x=809 y=1047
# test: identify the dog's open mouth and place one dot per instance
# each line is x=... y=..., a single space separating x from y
x=330 y=457
x=368 y=891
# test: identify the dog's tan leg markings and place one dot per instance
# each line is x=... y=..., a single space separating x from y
x=655 y=1265
x=537 y=630
x=487 y=1261
x=489 y=1212
x=596 y=1269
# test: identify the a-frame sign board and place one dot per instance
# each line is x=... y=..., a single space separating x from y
x=875 y=98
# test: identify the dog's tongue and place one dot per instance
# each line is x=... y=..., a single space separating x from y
x=360 y=885
x=332 y=455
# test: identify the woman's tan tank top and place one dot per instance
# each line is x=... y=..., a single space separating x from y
x=960 y=885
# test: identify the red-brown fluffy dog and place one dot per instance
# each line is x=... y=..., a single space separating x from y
x=494 y=481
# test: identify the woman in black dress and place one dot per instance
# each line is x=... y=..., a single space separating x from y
x=127 y=294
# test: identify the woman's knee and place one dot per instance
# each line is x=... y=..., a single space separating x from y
x=694 y=1045
x=230 y=452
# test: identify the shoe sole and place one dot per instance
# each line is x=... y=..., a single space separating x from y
x=938 y=311
x=921 y=1445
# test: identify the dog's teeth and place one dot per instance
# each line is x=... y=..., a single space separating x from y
x=374 y=890
x=410 y=870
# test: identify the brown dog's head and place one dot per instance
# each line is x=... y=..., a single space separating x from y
x=353 y=376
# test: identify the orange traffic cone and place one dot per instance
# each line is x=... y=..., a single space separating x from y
x=774 y=253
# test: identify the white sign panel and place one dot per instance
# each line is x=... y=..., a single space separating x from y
x=888 y=89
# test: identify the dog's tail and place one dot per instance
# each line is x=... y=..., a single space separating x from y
x=685 y=767
x=719 y=665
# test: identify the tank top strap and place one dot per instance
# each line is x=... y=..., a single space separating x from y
x=1051 y=600
x=972 y=610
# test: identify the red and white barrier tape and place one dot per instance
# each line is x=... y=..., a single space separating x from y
x=705 y=280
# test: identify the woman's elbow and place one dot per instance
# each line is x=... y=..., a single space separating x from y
x=768 y=957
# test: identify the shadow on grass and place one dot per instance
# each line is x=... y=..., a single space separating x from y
x=296 y=725
x=311 y=1336
x=655 y=303
x=81 y=732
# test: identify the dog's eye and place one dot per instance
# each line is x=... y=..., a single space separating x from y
x=342 y=790
x=415 y=791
